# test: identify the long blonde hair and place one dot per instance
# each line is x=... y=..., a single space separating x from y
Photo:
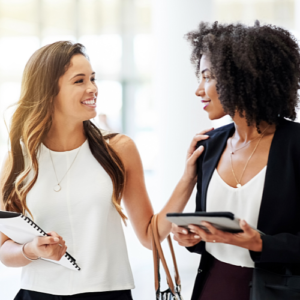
x=32 y=121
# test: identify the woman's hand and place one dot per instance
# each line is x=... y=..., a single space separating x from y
x=183 y=237
x=50 y=247
x=249 y=238
x=193 y=154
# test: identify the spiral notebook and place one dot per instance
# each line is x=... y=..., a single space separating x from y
x=22 y=229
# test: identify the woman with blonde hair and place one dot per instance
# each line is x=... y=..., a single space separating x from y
x=70 y=178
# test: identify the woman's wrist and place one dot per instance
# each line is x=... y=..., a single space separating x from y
x=28 y=252
x=188 y=180
x=257 y=247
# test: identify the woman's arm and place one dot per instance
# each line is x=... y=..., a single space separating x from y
x=52 y=247
x=136 y=199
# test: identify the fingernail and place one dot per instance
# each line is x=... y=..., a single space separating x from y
x=56 y=239
x=184 y=231
x=191 y=230
x=196 y=236
x=243 y=222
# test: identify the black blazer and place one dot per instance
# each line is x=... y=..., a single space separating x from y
x=279 y=215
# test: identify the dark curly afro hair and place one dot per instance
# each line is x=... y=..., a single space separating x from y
x=257 y=69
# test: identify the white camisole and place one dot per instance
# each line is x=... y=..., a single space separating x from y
x=245 y=203
x=84 y=215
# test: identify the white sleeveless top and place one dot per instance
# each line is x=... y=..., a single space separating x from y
x=245 y=203
x=84 y=215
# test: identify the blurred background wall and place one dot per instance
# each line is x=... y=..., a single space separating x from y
x=146 y=85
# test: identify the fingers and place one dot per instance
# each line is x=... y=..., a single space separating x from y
x=52 y=246
x=248 y=239
x=57 y=251
x=213 y=230
x=213 y=235
x=194 y=142
x=198 y=231
x=183 y=237
x=53 y=233
x=193 y=158
x=52 y=239
x=187 y=240
x=198 y=137
x=62 y=252
x=47 y=240
x=177 y=229
x=245 y=227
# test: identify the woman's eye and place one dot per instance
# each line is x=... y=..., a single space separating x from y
x=93 y=79
x=79 y=81
x=206 y=78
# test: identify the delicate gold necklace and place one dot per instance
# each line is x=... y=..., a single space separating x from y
x=238 y=185
x=57 y=187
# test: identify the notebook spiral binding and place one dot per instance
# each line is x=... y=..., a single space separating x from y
x=35 y=226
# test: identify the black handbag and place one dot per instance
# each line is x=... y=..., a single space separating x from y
x=267 y=285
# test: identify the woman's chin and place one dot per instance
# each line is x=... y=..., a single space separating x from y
x=215 y=116
x=212 y=117
x=90 y=116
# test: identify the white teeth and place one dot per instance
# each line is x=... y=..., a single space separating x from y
x=89 y=102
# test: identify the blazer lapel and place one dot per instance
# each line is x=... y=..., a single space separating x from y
x=213 y=150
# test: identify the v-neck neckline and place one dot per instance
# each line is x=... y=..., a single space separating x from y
x=244 y=185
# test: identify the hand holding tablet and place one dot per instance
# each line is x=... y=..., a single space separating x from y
x=215 y=227
x=225 y=221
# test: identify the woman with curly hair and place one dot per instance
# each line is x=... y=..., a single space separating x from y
x=252 y=166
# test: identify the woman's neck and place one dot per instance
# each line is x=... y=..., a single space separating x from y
x=245 y=133
x=65 y=136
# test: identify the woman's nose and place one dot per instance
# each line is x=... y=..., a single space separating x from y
x=200 y=92
x=92 y=88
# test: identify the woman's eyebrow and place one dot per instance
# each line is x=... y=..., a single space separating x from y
x=82 y=75
x=204 y=70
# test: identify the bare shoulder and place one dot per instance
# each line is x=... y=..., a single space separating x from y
x=121 y=143
x=125 y=148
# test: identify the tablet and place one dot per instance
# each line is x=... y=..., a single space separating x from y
x=225 y=221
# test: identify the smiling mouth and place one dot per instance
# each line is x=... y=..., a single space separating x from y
x=205 y=102
x=89 y=102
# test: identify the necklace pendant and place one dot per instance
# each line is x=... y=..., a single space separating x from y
x=57 y=188
x=231 y=152
x=238 y=185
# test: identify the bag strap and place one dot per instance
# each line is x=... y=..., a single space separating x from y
x=159 y=255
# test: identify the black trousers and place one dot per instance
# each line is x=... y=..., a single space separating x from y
x=111 y=295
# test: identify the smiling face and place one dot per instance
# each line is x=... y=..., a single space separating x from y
x=77 y=95
x=207 y=90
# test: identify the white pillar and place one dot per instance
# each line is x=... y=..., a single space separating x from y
x=181 y=114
